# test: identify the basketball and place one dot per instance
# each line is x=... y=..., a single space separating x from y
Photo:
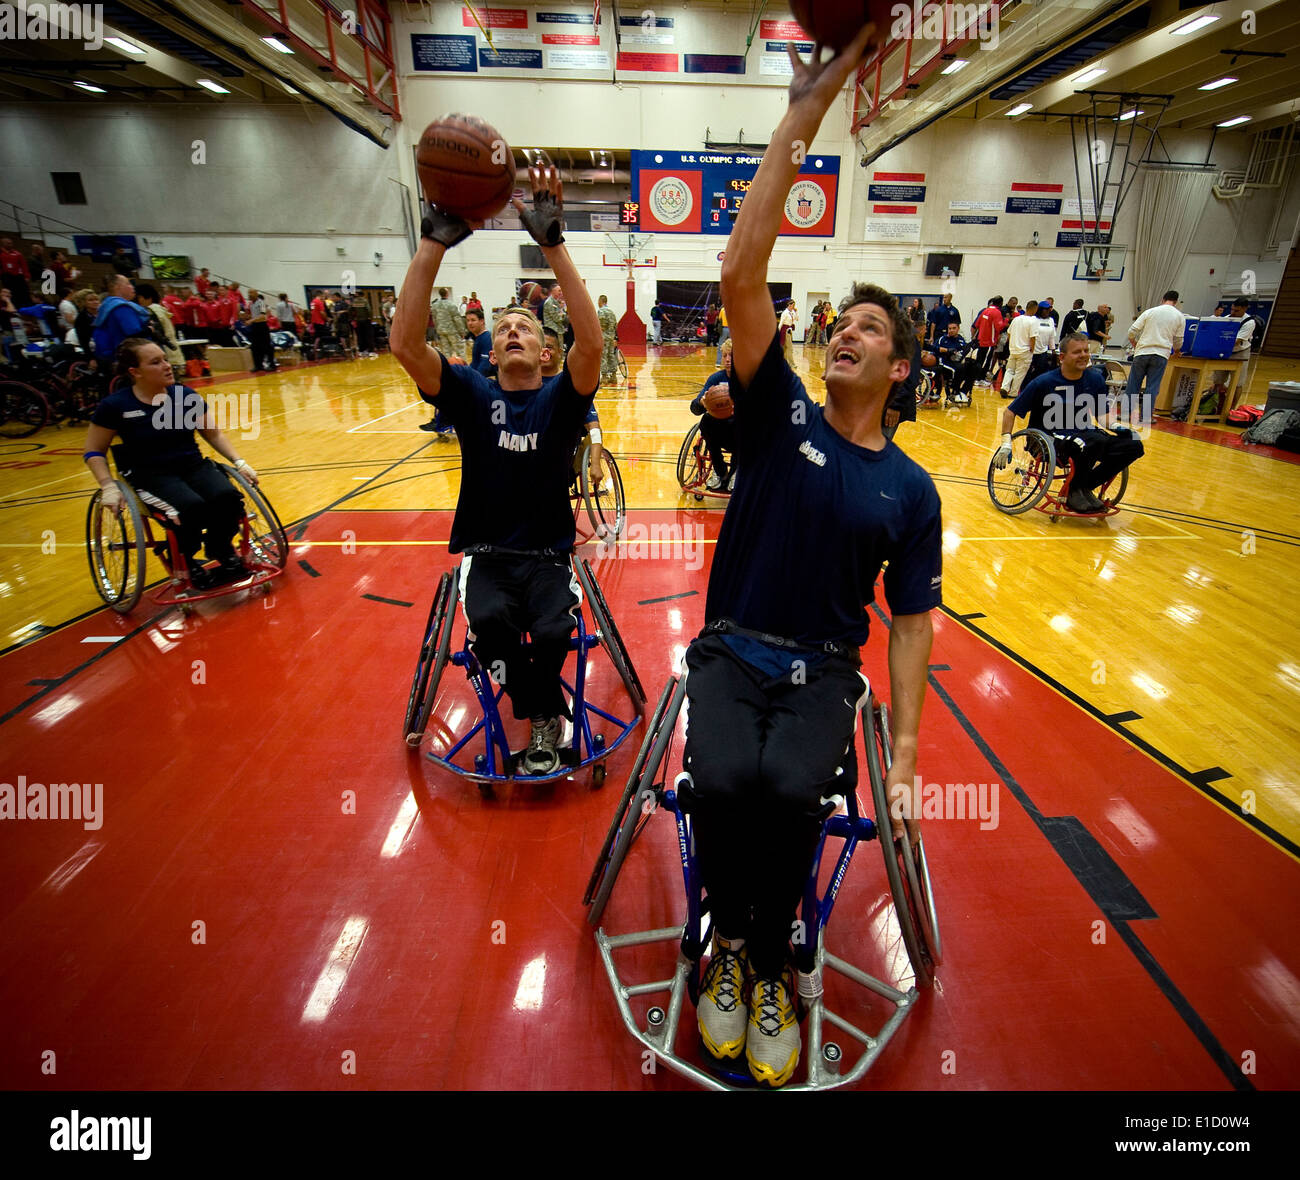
x=530 y=294
x=836 y=22
x=465 y=167
x=928 y=360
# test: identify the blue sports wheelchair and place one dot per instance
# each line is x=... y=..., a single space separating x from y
x=824 y=1062
x=482 y=752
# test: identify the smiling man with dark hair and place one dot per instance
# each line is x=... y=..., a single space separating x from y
x=822 y=503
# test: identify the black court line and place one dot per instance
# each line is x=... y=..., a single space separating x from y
x=1107 y=884
x=973 y=615
x=40 y=683
x=667 y=598
x=1120 y=718
x=389 y=601
x=307 y=568
x=1192 y=778
x=357 y=491
x=51 y=685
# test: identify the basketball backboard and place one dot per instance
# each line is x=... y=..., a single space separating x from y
x=1099 y=261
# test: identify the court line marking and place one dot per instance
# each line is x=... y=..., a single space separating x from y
x=101 y=639
x=400 y=410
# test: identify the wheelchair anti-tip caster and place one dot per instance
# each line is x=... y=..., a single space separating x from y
x=655 y=1017
x=598 y=774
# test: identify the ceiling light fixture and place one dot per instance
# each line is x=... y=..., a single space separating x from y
x=278 y=46
x=1020 y=109
x=1192 y=25
x=125 y=46
x=1217 y=83
x=89 y=86
x=953 y=66
x=209 y=84
x=1234 y=122
x=1089 y=75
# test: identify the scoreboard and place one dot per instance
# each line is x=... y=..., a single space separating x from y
x=702 y=193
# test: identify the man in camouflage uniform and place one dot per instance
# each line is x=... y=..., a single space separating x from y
x=609 y=329
x=554 y=314
x=449 y=325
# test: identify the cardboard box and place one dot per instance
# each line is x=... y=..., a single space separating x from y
x=1283 y=395
x=288 y=356
x=230 y=360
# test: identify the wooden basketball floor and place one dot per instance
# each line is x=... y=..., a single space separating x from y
x=276 y=883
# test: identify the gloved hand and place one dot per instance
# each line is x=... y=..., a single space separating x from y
x=546 y=222
x=111 y=498
x=440 y=226
x=1002 y=456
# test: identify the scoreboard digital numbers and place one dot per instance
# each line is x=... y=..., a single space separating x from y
x=703 y=192
x=631 y=216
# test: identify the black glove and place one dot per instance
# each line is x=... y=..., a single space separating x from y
x=439 y=226
x=546 y=222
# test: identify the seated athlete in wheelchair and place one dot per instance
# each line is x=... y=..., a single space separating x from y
x=596 y=485
x=195 y=501
x=774 y=679
x=1065 y=407
x=513 y=520
x=706 y=462
x=957 y=369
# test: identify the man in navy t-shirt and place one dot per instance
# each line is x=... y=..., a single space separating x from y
x=940 y=316
x=514 y=520
x=774 y=682
x=718 y=422
x=1067 y=403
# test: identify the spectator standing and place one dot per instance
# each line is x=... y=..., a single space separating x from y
x=14 y=272
x=202 y=282
x=118 y=318
x=450 y=326
x=1098 y=324
x=87 y=303
x=554 y=314
x=1075 y=319
x=1022 y=336
x=122 y=264
x=657 y=324
x=1155 y=335
x=941 y=315
x=146 y=295
x=259 y=333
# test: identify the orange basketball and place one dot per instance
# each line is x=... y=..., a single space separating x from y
x=836 y=22
x=928 y=360
x=530 y=293
x=465 y=167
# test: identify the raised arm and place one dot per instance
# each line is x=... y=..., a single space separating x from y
x=546 y=224
x=744 y=271
x=439 y=231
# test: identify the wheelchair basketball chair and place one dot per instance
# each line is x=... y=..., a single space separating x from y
x=117 y=545
x=1039 y=475
x=695 y=466
x=657 y=1026
x=482 y=754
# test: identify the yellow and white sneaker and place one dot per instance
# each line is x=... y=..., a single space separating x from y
x=772 y=1038
x=721 y=1012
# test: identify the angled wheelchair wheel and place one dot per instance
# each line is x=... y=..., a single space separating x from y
x=605 y=505
x=634 y=808
x=435 y=651
x=1113 y=492
x=924 y=387
x=693 y=465
x=913 y=904
x=622 y=364
x=267 y=542
x=1024 y=481
x=116 y=549
x=609 y=636
x=23 y=410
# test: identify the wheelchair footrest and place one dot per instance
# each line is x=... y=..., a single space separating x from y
x=824 y=1063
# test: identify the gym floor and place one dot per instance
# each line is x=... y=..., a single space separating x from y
x=277 y=883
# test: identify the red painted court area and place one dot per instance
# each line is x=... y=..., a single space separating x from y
x=277 y=882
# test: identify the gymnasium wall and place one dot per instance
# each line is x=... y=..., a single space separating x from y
x=276 y=197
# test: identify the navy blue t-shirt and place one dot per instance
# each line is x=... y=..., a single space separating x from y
x=1063 y=407
x=941 y=316
x=516 y=449
x=479 y=360
x=157 y=437
x=814 y=517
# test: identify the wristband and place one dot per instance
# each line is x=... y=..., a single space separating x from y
x=240 y=464
x=93 y=455
x=1006 y=440
x=594 y=434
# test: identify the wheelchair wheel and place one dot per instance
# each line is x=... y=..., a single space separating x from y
x=693 y=464
x=1025 y=479
x=1113 y=492
x=435 y=650
x=633 y=813
x=924 y=387
x=267 y=542
x=913 y=906
x=23 y=410
x=622 y=364
x=606 y=508
x=609 y=636
x=115 y=547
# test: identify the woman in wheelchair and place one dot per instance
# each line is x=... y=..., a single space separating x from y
x=1066 y=404
x=716 y=411
x=156 y=420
